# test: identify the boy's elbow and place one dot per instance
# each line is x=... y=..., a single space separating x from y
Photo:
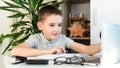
x=12 y=52
x=87 y=52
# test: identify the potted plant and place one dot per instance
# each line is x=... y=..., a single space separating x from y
x=23 y=28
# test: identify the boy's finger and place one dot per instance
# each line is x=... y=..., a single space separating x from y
x=63 y=50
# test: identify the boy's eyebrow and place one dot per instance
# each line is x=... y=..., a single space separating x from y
x=61 y=23
x=55 y=23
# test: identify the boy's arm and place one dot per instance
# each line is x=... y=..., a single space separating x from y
x=92 y=49
x=24 y=50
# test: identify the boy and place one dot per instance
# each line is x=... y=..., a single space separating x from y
x=50 y=41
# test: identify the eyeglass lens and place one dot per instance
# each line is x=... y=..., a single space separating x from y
x=69 y=60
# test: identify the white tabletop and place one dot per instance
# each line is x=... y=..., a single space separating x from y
x=7 y=60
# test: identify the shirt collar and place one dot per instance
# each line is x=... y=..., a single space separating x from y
x=43 y=38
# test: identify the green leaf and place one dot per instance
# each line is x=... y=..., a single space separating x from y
x=15 y=42
x=12 y=5
x=29 y=30
x=6 y=36
x=7 y=9
x=32 y=4
x=20 y=40
x=18 y=24
x=17 y=35
x=20 y=3
x=17 y=15
x=25 y=2
x=2 y=37
x=39 y=4
x=2 y=7
x=34 y=23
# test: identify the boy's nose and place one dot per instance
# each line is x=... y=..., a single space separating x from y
x=57 y=29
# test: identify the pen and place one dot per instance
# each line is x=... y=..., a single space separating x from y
x=16 y=62
x=91 y=64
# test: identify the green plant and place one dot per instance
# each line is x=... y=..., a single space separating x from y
x=23 y=28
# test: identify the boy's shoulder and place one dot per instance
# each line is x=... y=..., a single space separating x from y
x=39 y=35
x=35 y=35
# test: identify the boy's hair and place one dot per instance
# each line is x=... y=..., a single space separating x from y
x=46 y=11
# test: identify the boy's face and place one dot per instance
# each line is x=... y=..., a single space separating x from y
x=51 y=26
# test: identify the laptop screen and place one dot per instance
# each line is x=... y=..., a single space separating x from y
x=110 y=44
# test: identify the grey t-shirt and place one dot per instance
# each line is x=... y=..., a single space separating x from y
x=40 y=42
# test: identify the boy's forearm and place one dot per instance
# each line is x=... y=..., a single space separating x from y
x=22 y=51
x=92 y=49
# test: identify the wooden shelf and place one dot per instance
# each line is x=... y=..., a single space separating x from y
x=83 y=41
x=80 y=38
x=79 y=19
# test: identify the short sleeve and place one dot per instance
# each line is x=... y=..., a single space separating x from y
x=67 y=41
x=31 y=41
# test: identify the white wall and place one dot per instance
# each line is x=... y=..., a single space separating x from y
x=4 y=29
x=103 y=11
x=4 y=24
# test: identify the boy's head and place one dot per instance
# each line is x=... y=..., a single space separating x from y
x=47 y=11
x=50 y=21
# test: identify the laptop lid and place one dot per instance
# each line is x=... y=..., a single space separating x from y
x=110 y=44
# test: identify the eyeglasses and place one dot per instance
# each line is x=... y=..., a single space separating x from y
x=69 y=60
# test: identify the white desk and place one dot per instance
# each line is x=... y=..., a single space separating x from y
x=8 y=64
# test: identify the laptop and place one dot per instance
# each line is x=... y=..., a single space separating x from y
x=110 y=44
x=53 y=56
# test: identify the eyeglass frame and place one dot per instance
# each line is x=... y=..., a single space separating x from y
x=69 y=61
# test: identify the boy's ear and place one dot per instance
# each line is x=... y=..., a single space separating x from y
x=39 y=25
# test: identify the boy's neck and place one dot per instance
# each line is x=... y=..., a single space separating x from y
x=44 y=37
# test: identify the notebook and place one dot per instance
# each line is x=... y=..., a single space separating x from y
x=110 y=44
x=53 y=56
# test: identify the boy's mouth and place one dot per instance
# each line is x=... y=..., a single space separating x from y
x=55 y=35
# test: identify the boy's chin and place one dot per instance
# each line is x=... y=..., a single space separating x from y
x=53 y=38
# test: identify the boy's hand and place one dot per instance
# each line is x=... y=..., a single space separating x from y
x=56 y=50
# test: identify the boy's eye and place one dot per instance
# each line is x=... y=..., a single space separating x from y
x=52 y=25
x=60 y=25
